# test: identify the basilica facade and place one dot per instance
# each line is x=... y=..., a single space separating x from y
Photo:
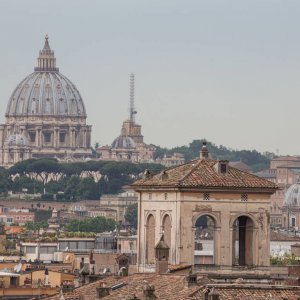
x=45 y=117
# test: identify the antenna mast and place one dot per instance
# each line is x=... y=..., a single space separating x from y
x=132 y=110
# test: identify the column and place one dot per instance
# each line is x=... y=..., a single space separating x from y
x=84 y=139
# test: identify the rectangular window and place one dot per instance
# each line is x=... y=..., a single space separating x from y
x=223 y=168
x=63 y=245
x=32 y=137
x=47 y=137
x=73 y=246
x=9 y=220
x=62 y=137
x=47 y=249
x=30 y=249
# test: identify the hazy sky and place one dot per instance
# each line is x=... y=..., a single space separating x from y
x=227 y=71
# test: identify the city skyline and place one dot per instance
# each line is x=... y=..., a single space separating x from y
x=225 y=71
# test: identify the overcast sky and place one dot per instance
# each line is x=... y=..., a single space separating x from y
x=227 y=71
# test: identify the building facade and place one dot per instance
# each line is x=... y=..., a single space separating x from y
x=45 y=117
x=16 y=217
x=205 y=200
x=284 y=171
x=119 y=203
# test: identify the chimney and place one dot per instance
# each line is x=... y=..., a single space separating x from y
x=213 y=295
x=102 y=291
x=162 y=256
x=147 y=174
x=149 y=292
x=191 y=280
x=46 y=276
x=204 y=154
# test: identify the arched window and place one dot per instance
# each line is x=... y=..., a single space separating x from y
x=150 y=240
x=243 y=242
x=204 y=253
x=166 y=226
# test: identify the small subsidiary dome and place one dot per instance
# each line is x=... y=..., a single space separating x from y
x=292 y=195
x=123 y=142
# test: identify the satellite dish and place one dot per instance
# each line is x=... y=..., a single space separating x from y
x=18 y=268
x=67 y=248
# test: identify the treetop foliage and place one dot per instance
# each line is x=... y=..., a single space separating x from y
x=256 y=160
x=97 y=225
x=65 y=180
x=71 y=181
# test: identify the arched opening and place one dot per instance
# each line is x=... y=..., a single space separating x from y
x=166 y=226
x=204 y=253
x=243 y=242
x=150 y=240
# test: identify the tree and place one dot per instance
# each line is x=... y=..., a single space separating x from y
x=42 y=168
x=89 y=189
x=98 y=224
x=131 y=214
x=94 y=150
x=24 y=182
x=72 y=188
x=4 y=181
x=36 y=226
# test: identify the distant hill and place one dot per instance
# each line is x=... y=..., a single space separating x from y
x=256 y=160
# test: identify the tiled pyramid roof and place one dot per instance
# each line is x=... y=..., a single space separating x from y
x=203 y=174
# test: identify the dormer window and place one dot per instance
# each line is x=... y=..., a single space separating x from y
x=221 y=167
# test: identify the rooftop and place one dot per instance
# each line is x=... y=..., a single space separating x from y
x=166 y=286
x=202 y=173
x=253 y=292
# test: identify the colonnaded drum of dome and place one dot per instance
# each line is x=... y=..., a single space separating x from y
x=45 y=117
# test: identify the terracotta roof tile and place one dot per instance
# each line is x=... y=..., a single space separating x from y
x=202 y=174
x=251 y=292
x=170 y=287
x=166 y=287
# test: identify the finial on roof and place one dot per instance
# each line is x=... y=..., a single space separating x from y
x=204 y=154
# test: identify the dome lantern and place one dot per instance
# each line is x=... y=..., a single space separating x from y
x=46 y=59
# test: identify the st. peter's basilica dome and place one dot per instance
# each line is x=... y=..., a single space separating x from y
x=45 y=117
x=46 y=91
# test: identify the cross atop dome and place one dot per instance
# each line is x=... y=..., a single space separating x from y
x=46 y=46
x=46 y=59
